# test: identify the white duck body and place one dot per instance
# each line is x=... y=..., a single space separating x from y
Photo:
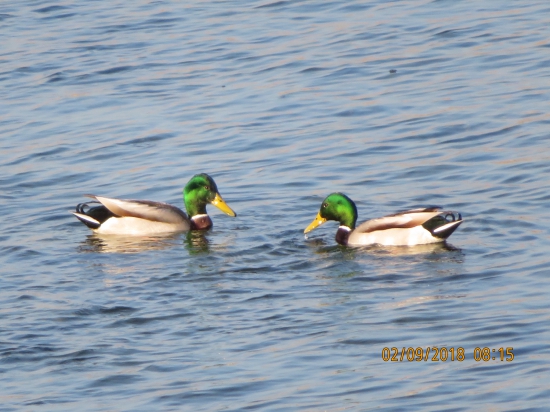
x=133 y=217
x=136 y=226
x=408 y=228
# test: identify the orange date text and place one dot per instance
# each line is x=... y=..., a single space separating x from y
x=431 y=354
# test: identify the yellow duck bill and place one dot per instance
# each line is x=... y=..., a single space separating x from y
x=220 y=204
x=318 y=221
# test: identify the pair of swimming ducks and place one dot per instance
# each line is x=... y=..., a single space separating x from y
x=144 y=217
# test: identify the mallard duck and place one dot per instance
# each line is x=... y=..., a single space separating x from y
x=408 y=228
x=141 y=217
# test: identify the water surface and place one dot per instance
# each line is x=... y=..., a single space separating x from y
x=398 y=105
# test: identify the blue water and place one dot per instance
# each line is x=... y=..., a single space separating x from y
x=396 y=104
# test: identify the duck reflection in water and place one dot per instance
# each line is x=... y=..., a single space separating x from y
x=433 y=249
x=127 y=244
x=196 y=242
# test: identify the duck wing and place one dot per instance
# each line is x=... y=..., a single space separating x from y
x=402 y=220
x=143 y=209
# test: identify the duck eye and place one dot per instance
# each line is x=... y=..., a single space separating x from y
x=325 y=204
x=207 y=187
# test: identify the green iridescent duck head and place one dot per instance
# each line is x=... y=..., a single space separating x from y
x=336 y=206
x=200 y=191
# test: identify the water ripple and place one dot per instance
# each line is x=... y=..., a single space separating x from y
x=396 y=104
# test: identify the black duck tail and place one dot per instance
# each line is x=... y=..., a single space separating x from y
x=444 y=224
x=92 y=217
